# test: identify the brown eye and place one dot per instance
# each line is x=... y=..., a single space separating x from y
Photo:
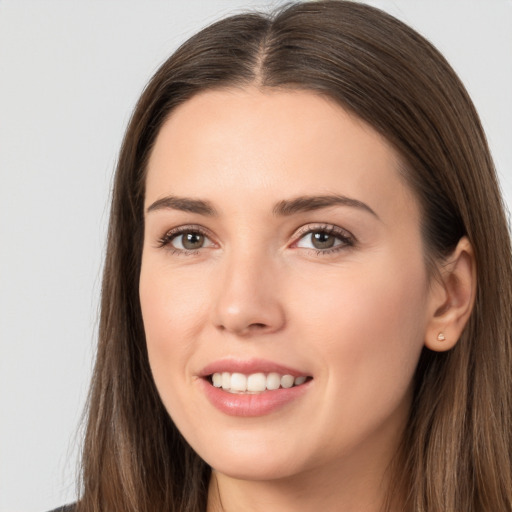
x=189 y=241
x=322 y=240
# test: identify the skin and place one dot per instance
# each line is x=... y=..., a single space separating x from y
x=355 y=318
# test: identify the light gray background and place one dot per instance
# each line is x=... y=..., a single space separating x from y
x=70 y=73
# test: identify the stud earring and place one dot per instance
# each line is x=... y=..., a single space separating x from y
x=441 y=337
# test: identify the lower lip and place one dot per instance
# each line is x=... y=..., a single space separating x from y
x=251 y=405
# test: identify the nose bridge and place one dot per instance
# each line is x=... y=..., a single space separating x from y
x=248 y=292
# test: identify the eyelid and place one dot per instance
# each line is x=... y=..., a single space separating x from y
x=328 y=228
x=166 y=239
x=348 y=240
x=347 y=237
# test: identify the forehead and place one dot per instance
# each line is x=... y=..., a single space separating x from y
x=238 y=144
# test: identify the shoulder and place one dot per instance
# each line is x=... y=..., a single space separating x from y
x=65 y=508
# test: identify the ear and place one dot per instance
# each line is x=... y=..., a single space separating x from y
x=452 y=298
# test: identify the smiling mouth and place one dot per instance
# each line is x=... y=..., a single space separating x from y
x=254 y=383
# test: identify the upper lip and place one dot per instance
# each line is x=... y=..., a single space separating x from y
x=248 y=367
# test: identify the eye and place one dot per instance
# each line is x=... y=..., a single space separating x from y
x=324 y=239
x=318 y=240
x=189 y=241
x=185 y=239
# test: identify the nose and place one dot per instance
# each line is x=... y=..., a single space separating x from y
x=248 y=301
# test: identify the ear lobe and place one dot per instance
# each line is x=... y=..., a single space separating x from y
x=452 y=298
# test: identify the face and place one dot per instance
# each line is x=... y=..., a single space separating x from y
x=282 y=248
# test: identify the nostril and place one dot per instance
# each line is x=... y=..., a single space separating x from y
x=248 y=330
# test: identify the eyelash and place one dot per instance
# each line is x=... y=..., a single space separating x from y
x=346 y=238
x=165 y=241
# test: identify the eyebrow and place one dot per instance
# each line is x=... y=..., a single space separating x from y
x=310 y=203
x=285 y=207
x=184 y=204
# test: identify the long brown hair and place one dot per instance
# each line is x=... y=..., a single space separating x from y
x=455 y=454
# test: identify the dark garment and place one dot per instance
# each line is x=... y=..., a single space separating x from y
x=65 y=508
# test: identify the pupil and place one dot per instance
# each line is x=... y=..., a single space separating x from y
x=322 y=240
x=193 y=240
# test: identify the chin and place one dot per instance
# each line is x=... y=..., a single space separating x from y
x=256 y=470
x=254 y=464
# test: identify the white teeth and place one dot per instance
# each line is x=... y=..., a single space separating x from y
x=238 y=382
x=217 y=380
x=273 y=381
x=287 y=381
x=255 y=382
x=226 y=380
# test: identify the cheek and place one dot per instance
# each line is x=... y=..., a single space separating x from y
x=171 y=308
x=365 y=334
x=369 y=325
x=170 y=312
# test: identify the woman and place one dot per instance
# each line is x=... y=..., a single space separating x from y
x=306 y=297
